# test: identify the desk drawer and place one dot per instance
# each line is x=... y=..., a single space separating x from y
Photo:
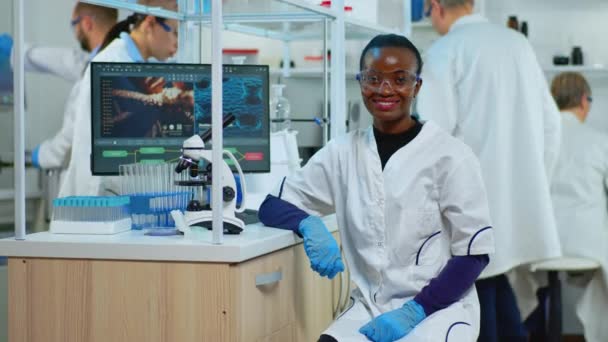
x=265 y=296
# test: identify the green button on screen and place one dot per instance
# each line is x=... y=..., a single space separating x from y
x=114 y=154
x=152 y=150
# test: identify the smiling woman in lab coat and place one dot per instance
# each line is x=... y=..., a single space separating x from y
x=411 y=207
x=579 y=189
x=135 y=39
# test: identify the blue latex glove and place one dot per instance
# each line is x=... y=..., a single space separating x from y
x=35 y=157
x=321 y=247
x=393 y=325
x=6 y=44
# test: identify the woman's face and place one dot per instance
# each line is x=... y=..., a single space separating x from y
x=388 y=86
x=162 y=39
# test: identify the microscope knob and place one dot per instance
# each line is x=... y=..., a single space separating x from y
x=194 y=205
x=229 y=194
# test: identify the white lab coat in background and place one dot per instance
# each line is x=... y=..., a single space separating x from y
x=579 y=189
x=399 y=226
x=483 y=84
x=54 y=153
x=67 y=63
x=79 y=181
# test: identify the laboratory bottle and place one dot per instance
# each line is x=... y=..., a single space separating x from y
x=513 y=23
x=577 y=56
x=524 y=28
x=279 y=109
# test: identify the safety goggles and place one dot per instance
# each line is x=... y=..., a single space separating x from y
x=75 y=21
x=165 y=26
x=400 y=80
x=78 y=19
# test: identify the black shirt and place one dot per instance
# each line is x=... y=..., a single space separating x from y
x=390 y=143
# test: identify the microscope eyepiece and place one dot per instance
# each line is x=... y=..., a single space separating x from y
x=183 y=164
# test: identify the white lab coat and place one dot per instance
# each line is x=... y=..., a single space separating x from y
x=79 y=181
x=67 y=63
x=579 y=189
x=483 y=84
x=398 y=226
x=54 y=153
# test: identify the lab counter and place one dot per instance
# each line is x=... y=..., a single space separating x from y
x=254 y=241
x=256 y=286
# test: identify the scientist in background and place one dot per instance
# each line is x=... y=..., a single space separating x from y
x=90 y=23
x=579 y=190
x=483 y=84
x=135 y=39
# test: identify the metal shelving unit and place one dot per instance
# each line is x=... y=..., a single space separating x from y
x=284 y=20
x=592 y=73
x=596 y=70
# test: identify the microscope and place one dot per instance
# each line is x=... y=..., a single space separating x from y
x=197 y=213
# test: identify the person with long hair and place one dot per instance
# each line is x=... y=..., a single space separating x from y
x=138 y=38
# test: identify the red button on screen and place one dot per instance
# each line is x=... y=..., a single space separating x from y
x=254 y=156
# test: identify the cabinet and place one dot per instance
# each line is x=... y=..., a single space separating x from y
x=317 y=298
x=274 y=297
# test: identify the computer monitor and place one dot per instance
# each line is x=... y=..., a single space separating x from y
x=143 y=112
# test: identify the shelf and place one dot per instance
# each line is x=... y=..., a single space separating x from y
x=356 y=28
x=276 y=28
x=241 y=11
x=591 y=73
x=308 y=73
x=576 y=68
x=125 y=5
x=286 y=20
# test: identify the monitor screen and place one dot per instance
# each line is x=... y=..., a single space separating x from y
x=143 y=112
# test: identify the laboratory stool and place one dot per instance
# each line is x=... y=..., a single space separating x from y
x=553 y=330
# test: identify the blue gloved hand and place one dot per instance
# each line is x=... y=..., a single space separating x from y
x=393 y=325
x=6 y=44
x=321 y=247
x=35 y=157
